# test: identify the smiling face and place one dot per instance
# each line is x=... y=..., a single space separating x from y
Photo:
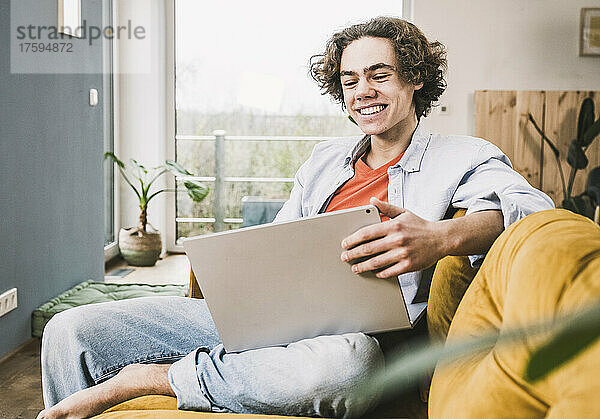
x=375 y=96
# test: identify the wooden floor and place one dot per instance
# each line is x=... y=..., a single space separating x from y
x=20 y=375
x=20 y=383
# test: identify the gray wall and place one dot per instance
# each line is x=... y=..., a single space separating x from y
x=51 y=196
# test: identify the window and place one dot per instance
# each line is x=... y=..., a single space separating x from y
x=247 y=112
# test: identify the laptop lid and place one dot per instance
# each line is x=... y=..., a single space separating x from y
x=278 y=283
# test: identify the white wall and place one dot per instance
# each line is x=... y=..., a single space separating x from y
x=509 y=44
x=142 y=104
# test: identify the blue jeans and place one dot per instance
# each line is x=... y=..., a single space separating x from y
x=86 y=345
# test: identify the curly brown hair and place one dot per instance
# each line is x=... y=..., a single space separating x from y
x=418 y=60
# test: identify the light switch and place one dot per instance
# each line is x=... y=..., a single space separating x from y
x=93 y=97
x=443 y=109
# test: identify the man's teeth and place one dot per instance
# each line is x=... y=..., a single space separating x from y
x=371 y=110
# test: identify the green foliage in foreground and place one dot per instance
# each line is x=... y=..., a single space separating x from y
x=577 y=333
x=571 y=335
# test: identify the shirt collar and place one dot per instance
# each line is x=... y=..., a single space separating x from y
x=358 y=150
x=413 y=156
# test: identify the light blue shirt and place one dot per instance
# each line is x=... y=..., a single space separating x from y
x=435 y=173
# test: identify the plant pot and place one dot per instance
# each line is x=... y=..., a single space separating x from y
x=139 y=248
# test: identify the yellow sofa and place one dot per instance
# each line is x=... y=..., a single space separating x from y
x=544 y=265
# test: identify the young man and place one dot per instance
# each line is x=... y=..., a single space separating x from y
x=387 y=76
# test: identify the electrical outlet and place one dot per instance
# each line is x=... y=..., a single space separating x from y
x=8 y=301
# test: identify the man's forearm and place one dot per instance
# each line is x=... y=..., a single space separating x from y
x=472 y=234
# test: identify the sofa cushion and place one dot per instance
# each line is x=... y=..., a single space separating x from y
x=153 y=402
x=165 y=407
x=541 y=267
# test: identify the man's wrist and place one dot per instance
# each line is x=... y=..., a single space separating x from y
x=447 y=241
x=470 y=235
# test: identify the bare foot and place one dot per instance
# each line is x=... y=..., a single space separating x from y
x=132 y=381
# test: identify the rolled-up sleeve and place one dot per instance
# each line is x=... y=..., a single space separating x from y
x=292 y=208
x=492 y=184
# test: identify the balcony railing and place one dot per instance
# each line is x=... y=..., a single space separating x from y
x=219 y=220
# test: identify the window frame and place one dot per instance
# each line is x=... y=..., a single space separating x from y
x=110 y=96
x=171 y=128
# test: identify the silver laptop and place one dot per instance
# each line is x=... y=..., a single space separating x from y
x=278 y=283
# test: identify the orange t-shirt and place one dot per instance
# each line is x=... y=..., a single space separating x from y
x=365 y=183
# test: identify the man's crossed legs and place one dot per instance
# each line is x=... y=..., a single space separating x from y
x=88 y=345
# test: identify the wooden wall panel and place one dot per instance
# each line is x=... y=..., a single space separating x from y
x=494 y=119
x=527 y=142
x=502 y=118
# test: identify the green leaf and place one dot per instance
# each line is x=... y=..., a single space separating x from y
x=352 y=120
x=575 y=336
x=122 y=168
x=580 y=204
x=139 y=166
x=144 y=192
x=404 y=370
x=130 y=184
x=154 y=194
x=587 y=204
x=177 y=169
x=138 y=172
x=159 y=174
x=196 y=190
x=585 y=119
x=591 y=133
x=114 y=158
x=570 y=204
x=576 y=157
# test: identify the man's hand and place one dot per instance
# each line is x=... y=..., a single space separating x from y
x=406 y=243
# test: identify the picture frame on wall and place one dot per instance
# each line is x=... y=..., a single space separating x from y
x=589 y=32
x=69 y=17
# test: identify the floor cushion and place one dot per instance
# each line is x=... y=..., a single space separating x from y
x=90 y=292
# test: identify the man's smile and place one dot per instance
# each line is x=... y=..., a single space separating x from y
x=370 y=110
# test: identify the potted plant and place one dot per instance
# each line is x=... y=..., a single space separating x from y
x=138 y=245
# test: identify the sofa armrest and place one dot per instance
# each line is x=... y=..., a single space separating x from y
x=451 y=278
